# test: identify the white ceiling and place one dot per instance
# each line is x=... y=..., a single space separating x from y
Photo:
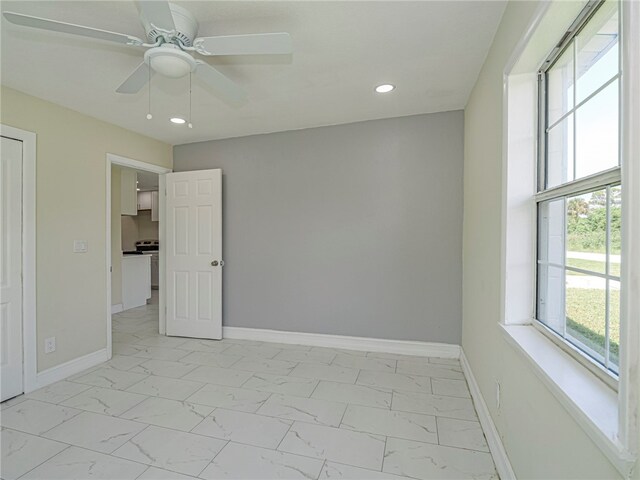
x=432 y=51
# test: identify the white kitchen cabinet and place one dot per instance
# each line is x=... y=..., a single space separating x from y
x=136 y=280
x=154 y=207
x=128 y=192
x=144 y=200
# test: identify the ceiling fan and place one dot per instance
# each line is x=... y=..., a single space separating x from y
x=171 y=35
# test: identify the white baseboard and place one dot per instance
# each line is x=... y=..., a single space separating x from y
x=60 y=372
x=401 y=347
x=117 y=308
x=503 y=465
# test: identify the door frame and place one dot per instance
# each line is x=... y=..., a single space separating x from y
x=29 y=336
x=113 y=159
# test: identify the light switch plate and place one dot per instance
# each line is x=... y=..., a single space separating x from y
x=80 y=246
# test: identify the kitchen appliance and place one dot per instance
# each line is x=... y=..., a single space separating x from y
x=151 y=247
x=148 y=245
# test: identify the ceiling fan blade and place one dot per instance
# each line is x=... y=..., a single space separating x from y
x=70 y=28
x=254 y=44
x=158 y=13
x=136 y=80
x=223 y=85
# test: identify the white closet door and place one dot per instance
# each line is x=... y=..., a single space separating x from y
x=10 y=268
x=194 y=249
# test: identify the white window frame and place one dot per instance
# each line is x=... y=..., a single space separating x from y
x=608 y=417
x=598 y=181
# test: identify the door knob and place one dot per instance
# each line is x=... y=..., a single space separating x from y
x=214 y=263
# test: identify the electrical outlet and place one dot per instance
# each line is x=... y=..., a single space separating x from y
x=50 y=345
x=497 y=395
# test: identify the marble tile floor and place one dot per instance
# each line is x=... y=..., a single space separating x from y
x=179 y=408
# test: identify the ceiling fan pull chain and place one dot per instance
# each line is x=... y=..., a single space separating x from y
x=149 y=116
x=190 y=124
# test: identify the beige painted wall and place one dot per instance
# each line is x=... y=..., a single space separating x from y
x=129 y=232
x=71 y=182
x=540 y=437
x=138 y=227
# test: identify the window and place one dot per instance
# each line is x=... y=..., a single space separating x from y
x=579 y=189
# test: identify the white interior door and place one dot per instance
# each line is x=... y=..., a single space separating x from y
x=193 y=252
x=10 y=268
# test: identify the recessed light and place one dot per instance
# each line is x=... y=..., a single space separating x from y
x=178 y=120
x=385 y=88
x=137 y=189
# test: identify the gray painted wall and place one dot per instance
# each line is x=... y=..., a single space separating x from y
x=351 y=229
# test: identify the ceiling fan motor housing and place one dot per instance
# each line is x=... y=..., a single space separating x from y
x=169 y=60
x=185 y=22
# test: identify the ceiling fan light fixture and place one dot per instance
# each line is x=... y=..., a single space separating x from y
x=170 y=61
x=177 y=120
x=385 y=88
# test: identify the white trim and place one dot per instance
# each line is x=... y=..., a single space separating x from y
x=137 y=164
x=629 y=390
x=117 y=308
x=584 y=184
x=534 y=24
x=162 y=278
x=499 y=454
x=108 y=257
x=518 y=221
x=65 y=370
x=616 y=436
x=591 y=403
x=113 y=159
x=29 y=337
x=401 y=347
x=578 y=353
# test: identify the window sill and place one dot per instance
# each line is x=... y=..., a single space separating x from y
x=591 y=403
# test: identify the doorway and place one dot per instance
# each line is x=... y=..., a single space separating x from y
x=129 y=276
x=18 y=372
x=11 y=270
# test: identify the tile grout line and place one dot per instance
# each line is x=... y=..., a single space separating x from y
x=314 y=390
x=241 y=386
x=45 y=461
x=27 y=397
x=283 y=437
x=324 y=462
x=144 y=471
x=214 y=457
x=384 y=453
x=422 y=442
x=343 y=414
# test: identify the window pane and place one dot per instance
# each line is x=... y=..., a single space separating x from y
x=560 y=86
x=578 y=262
x=550 y=308
x=551 y=230
x=614 y=325
x=615 y=212
x=587 y=232
x=551 y=281
x=586 y=313
x=560 y=153
x=597 y=133
x=597 y=46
